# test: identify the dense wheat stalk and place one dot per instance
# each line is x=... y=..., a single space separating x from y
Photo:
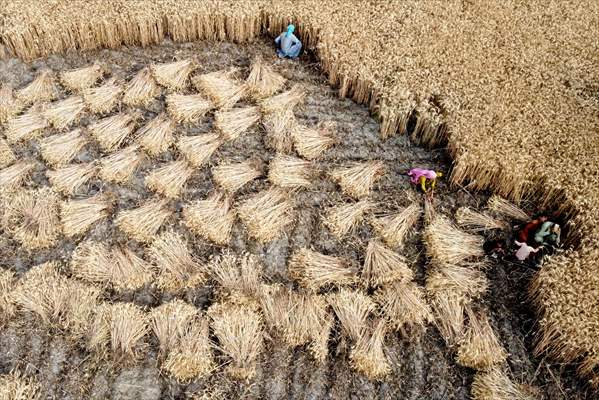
x=129 y=271
x=239 y=277
x=173 y=75
x=403 y=304
x=198 y=149
x=43 y=88
x=352 y=308
x=141 y=90
x=13 y=176
x=394 y=228
x=232 y=177
x=357 y=179
x=9 y=105
x=495 y=384
x=503 y=207
x=14 y=386
x=211 y=219
x=70 y=178
x=169 y=180
x=103 y=99
x=231 y=124
x=8 y=307
x=111 y=132
x=267 y=214
x=290 y=172
x=312 y=143
x=476 y=221
x=170 y=321
x=26 y=126
x=187 y=108
x=345 y=218
x=78 y=216
x=479 y=348
x=142 y=223
x=446 y=244
x=382 y=265
x=368 y=356
x=58 y=150
x=314 y=270
x=263 y=81
x=128 y=327
x=7 y=156
x=77 y=80
x=119 y=167
x=63 y=113
x=157 y=135
x=283 y=102
x=279 y=129
x=220 y=87
x=92 y=262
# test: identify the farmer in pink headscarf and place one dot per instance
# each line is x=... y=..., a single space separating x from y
x=422 y=176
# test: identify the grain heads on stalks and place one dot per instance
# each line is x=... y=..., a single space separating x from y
x=311 y=143
x=232 y=177
x=43 y=88
x=173 y=75
x=79 y=79
x=279 y=129
x=479 y=348
x=220 y=87
x=141 y=90
x=505 y=208
x=314 y=270
x=7 y=156
x=142 y=223
x=78 y=216
x=157 y=135
x=7 y=301
x=169 y=180
x=129 y=271
x=283 y=102
x=63 y=113
x=231 y=124
x=170 y=321
x=198 y=149
x=267 y=214
x=344 y=218
x=13 y=176
x=110 y=132
x=26 y=126
x=211 y=219
x=92 y=262
x=394 y=228
x=368 y=356
x=382 y=265
x=187 y=108
x=103 y=99
x=119 y=167
x=98 y=335
x=446 y=244
x=60 y=149
x=68 y=179
x=128 y=327
x=403 y=304
x=476 y=221
x=352 y=307
x=356 y=180
x=495 y=384
x=15 y=386
x=239 y=278
x=263 y=81
x=290 y=172
x=9 y=105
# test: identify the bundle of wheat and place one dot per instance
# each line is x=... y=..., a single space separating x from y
x=283 y=102
x=343 y=219
x=79 y=79
x=382 y=265
x=221 y=87
x=9 y=105
x=169 y=180
x=263 y=81
x=279 y=129
x=238 y=277
x=7 y=301
x=119 y=167
x=7 y=156
x=14 y=386
x=267 y=214
x=357 y=179
x=141 y=90
x=157 y=135
x=67 y=180
x=173 y=75
x=238 y=329
x=26 y=126
x=170 y=321
x=198 y=149
x=63 y=113
x=211 y=219
x=352 y=307
x=81 y=304
x=290 y=172
x=476 y=221
x=187 y=108
x=495 y=384
x=368 y=356
x=92 y=262
x=231 y=124
x=505 y=208
x=311 y=143
x=43 y=88
x=394 y=228
x=403 y=304
x=13 y=176
x=78 y=216
x=319 y=348
x=31 y=216
x=110 y=132
x=233 y=176
x=128 y=327
x=129 y=271
x=314 y=270
x=142 y=223
x=58 y=150
x=479 y=347
x=103 y=99
x=446 y=244
x=98 y=335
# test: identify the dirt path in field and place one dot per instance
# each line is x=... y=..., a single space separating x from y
x=422 y=366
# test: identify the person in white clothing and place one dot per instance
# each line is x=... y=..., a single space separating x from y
x=525 y=250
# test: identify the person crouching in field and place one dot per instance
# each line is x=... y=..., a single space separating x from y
x=288 y=45
x=424 y=176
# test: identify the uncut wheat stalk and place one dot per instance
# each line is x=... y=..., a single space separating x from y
x=314 y=270
x=503 y=207
x=283 y=102
x=352 y=307
x=8 y=307
x=211 y=218
x=312 y=143
x=479 y=348
x=344 y=219
x=290 y=172
x=14 y=176
x=141 y=89
x=26 y=126
x=233 y=176
x=119 y=167
x=187 y=108
x=142 y=223
x=238 y=329
x=236 y=275
x=220 y=86
x=357 y=179
x=157 y=135
x=110 y=132
x=14 y=386
x=7 y=156
x=82 y=302
x=173 y=75
x=279 y=129
x=169 y=180
x=92 y=262
x=169 y=323
x=42 y=88
x=267 y=214
x=79 y=79
x=129 y=271
x=447 y=244
x=476 y=221
x=495 y=384
x=394 y=228
x=263 y=81
x=31 y=217
x=382 y=265
x=70 y=178
x=368 y=355
x=231 y=124
x=128 y=327
x=103 y=99
x=63 y=113
x=198 y=149
x=403 y=304
x=58 y=150
x=78 y=216
x=9 y=105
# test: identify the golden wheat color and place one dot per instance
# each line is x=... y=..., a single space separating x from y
x=382 y=266
x=267 y=214
x=26 y=126
x=169 y=180
x=70 y=178
x=120 y=166
x=315 y=270
x=110 y=132
x=187 y=108
x=78 y=216
x=233 y=176
x=198 y=149
x=231 y=124
x=220 y=87
x=345 y=218
x=290 y=172
x=61 y=149
x=103 y=99
x=42 y=88
x=263 y=81
x=79 y=79
x=142 y=223
x=211 y=218
x=173 y=75
x=357 y=179
x=403 y=304
x=63 y=113
x=157 y=135
x=394 y=228
x=141 y=89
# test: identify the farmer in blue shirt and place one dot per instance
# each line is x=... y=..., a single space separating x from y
x=288 y=45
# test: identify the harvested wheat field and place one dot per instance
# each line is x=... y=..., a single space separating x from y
x=184 y=215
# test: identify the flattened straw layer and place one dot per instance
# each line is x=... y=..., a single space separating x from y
x=314 y=270
x=173 y=75
x=7 y=301
x=232 y=177
x=81 y=78
x=495 y=384
x=503 y=207
x=267 y=214
x=7 y=156
x=187 y=108
x=446 y=244
x=78 y=216
x=279 y=129
x=92 y=262
x=344 y=218
x=211 y=219
x=141 y=90
x=382 y=265
x=311 y=143
x=110 y=132
x=403 y=304
x=479 y=348
x=357 y=179
x=43 y=88
x=220 y=88
x=368 y=356
x=198 y=149
x=283 y=102
x=58 y=150
x=25 y=127
x=157 y=135
x=143 y=223
x=352 y=308
x=9 y=105
x=67 y=180
x=169 y=180
x=103 y=99
x=263 y=81
x=14 y=386
x=476 y=221
x=128 y=327
x=129 y=271
x=290 y=172
x=63 y=113
x=120 y=166
x=231 y=124
x=170 y=321
x=13 y=176
x=394 y=228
